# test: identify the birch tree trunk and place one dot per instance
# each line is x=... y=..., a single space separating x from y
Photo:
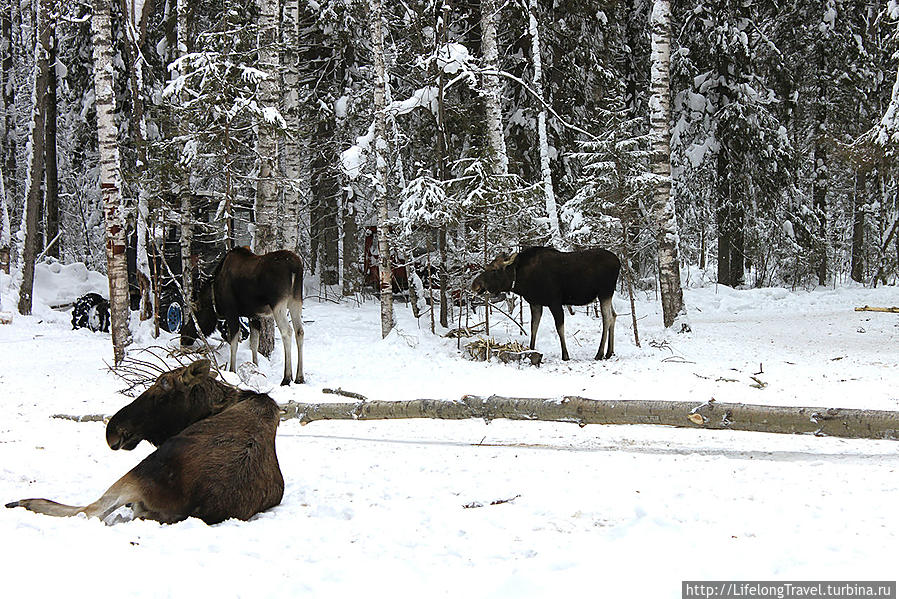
x=496 y=141
x=821 y=422
x=380 y=153
x=110 y=177
x=549 y=195
x=35 y=167
x=663 y=204
x=267 y=235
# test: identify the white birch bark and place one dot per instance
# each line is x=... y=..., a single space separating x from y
x=267 y=233
x=35 y=157
x=549 y=195
x=110 y=177
x=380 y=154
x=290 y=103
x=663 y=204
x=818 y=422
x=496 y=141
x=266 y=236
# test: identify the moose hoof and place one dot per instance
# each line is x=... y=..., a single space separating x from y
x=285 y=381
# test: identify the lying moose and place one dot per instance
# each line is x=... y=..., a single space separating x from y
x=544 y=276
x=215 y=458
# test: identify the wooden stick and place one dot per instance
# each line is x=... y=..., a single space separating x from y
x=340 y=391
x=891 y=310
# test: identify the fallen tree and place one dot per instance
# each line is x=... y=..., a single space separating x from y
x=891 y=309
x=712 y=415
x=832 y=422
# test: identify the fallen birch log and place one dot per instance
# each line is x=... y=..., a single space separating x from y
x=831 y=422
x=891 y=309
x=822 y=422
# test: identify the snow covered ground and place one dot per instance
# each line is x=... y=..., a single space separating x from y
x=375 y=509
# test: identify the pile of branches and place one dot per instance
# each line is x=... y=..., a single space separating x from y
x=482 y=350
x=142 y=367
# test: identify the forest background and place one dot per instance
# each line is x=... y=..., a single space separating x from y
x=440 y=133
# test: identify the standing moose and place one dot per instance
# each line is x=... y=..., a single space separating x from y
x=246 y=284
x=216 y=457
x=544 y=276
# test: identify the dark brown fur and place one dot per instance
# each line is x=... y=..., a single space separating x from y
x=544 y=276
x=253 y=286
x=220 y=467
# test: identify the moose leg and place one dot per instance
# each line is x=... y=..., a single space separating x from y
x=296 y=317
x=233 y=327
x=608 y=329
x=559 y=316
x=145 y=498
x=280 y=314
x=120 y=494
x=255 y=331
x=536 y=313
x=48 y=507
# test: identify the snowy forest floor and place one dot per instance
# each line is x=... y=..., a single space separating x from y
x=376 y=509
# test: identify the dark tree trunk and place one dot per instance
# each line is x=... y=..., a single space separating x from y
x=9 y=102
x=857 y=266
x=325 y=190
x=51 y=182
x=819 y=199
x=350 y=246
x=819 y=185
x=441 y=175
x=729 y=219
x=36 y=164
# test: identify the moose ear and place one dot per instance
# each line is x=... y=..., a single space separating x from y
x=196 y=371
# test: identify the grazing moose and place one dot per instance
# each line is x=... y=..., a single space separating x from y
x=216 y=457
x=246 y=284
x=544 y=276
